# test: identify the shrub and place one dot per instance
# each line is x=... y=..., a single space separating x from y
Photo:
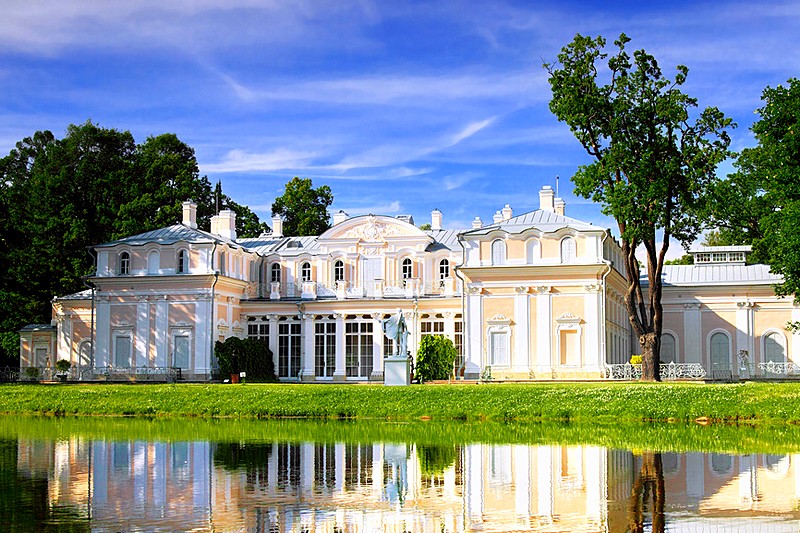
x=32 y=372
x=434 y=460
x=252 y=356
x=63 y=366
x=636 y=359
x=435 y=358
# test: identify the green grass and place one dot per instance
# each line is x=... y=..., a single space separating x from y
x=761 y=403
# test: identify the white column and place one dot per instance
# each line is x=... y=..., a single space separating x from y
x=449 y=326
x=307 y=371
x=520 y=357
x=695 y=479
x=102 y=333
x=544 y=483
x=473 y=332
x=544 y=327
x=307 y=466
x=142 y=332
x=273 y=339
x=201 y=466
x=339 y=373
x=202 y=340
x=692 y=339
x=377 y=347
x=162 y=334
x=595 y=465
x=747 y=486
x=377 y=471
x=473 y=473
x=339 y=452
x=743 y=330
x=592 y=359
x=522 y=482
x=64 y=344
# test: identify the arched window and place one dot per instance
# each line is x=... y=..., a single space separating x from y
x=721 y=463
x=568 y=251
x=223 y=263
x=532 y=251
x=338 y=270
x=668 y=346
x=407 y=268
x=275 y=273
x=124 y=263
x=774 y=351
x=444 y=269
x=183 y=262
x=153 y=262
x=720 y=352
x=305 y=271
x=498 y=252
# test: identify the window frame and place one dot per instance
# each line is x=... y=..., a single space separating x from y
x=124 y=263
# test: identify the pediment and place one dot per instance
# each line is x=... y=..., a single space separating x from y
x=373 y=228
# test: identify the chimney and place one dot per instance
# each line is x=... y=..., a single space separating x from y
x=226 y=224
x=277 y=226
x=214 y=225
x=559 y=206
x=507 y=212
x=546 y=199
x=340 y=217
x=477 y=223
x=190 y=214
x=436 y=219
x=498 y=217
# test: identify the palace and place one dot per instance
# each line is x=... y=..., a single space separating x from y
x=526 y=297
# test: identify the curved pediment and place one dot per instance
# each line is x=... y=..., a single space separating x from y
x=373 y=228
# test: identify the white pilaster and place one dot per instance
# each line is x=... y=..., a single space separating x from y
x=473 y=358
x=692 y=341
x=142 y=332
x=794 y=354
x=162 y=334
x=339 y=370
x=273 y=339
x=307 y=464
x=377 y=347
x=339 y=453
x=544 y=327
x=592 y=358
x=474 y=474
x=744 y=330
x=748 y=491
x=544 y=483
x=522 y=482
x=102 y=333
x=520 y=357
x=202 y=340
x=307 y=371
x=64 y=346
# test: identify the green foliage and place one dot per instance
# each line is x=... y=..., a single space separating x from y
x=655 y=159
x=425 y=227
x=32 y=372
x=435 y=358
x=685 y=259
x=303 y=208
x=62 y=365
x=252 y=356
x=434 y=460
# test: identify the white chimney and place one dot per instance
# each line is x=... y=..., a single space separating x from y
x=546 y=196
x=436 y=219
x=190 y=214
x=477 y=223
x=226 y=224
x=498 y=217
x=277 y=226
x=340 y=217
x=559 y=206
x=507 y=212
x=214 y=225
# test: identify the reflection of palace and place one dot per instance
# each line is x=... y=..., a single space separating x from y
x=532 y=296
x=384 y=487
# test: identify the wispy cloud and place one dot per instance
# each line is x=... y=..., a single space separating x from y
x=390 y=208
x=279 y=159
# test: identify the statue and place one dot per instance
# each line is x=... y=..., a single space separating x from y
x=396 y=329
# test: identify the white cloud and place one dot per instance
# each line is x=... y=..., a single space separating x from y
x=375 y=209
x=279 y=159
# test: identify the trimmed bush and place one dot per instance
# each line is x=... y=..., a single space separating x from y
x=252 y=356
x=435 y=358
x=63 y=366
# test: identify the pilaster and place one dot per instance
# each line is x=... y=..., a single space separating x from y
x=520 y=356
x=544 y=326
x=377 y=347
x=339 y=373
x=307 y=362
x=692 y=324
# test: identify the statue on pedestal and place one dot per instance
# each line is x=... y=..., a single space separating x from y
x=396 y=329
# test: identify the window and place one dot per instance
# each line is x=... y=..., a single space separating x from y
x=124 y=263
x=275 y=273
x=122 y=352
x=430 y=327
x=407 y=268
x=305 y=271
x=338 y=270
x=568 y=251
x=153 y=262
x=498 y=348
x=668 y=346
x=223 y=260
x=288 y=349
x=40 y=357
x=358 y=349
x=183 y=262
x=774 y=351
x=459 y=342
x=718 y=257
x=325 y=348
x=532 y=250
x=720 y=352
x=180 y=352
x=737 y=257
x=498 y=252
x=444 y=269
x=258 y=331
x=702 y=258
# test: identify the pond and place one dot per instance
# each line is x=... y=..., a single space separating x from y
x=217 y=475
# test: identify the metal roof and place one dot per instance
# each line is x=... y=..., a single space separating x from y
x=722 y=274
x=170 y=235
x=711 y=249
x=38 y=327
x=444 y=239
x=545 y=221
x=82 y=295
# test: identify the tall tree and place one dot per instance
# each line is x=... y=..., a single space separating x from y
x=247 y=222
x=303 y=208
x=653 y=162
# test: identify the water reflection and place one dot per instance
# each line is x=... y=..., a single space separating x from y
x=104 y=485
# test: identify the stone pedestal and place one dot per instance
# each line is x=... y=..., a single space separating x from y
x=397 y=370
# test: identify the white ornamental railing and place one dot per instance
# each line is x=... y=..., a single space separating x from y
x=777 y=369
x=669 y=371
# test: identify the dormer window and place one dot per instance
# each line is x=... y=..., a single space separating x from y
x=568 y=251
x=305 y=271
x=444 y=269
x=275 y=273
x=124 y=263
x=406 y=268
x=338 y=271
x=183 y=262
x=732 y=255
x=498 y=252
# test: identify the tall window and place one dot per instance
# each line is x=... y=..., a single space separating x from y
x=122 y=352
x=444 y=269
x=153 y=262
x=431 y=327
x=325 y=348
x=183 y=262
x=459 y=342
x=532 y=251
x=288 y=349
x=498 y=252
x=275 y=273
x=180 y=352
x=338 y=270
x=305 y=271
x=773 y=348
x=667 y=348
x=223 y=263
x=258 y=331
x=568 y=251
x=498 y=348
x=407 y=268
x=358 y=349
x=720 y=351
x=124 y=263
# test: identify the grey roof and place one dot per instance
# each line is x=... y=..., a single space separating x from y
x=722 y=274
x=546 y=221
x=38 y=327
x=170 y=235
x=444 y=239
x=711 y=249
x=82 y=295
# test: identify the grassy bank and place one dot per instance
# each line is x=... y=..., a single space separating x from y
x=600 y=402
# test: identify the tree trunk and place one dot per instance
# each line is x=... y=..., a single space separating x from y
x=651 y=370
x=648 y=484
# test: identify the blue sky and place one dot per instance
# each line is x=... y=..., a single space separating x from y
x=400 y=107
